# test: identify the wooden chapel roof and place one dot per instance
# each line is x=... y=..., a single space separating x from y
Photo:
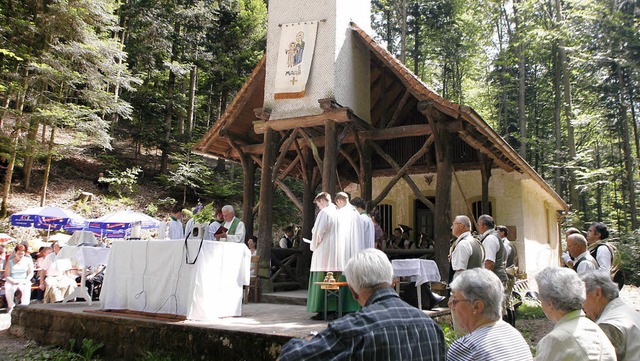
x=395 y=95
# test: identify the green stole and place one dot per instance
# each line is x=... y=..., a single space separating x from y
x=234 y=225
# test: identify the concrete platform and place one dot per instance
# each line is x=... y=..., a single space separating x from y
x=258 y=335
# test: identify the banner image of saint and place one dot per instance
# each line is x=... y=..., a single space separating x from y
x=297 y=43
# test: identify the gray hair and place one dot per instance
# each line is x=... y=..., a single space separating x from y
x=600 y=279
x=487 y=220
x=479 y=284
x=464 y=220
x=561 y=287
x=228 y=208
x=367 y=269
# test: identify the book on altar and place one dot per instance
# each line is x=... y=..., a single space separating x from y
x=220 y=230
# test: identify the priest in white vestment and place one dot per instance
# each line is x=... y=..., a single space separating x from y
x=176 y=228
x=350 y=236
x=327 y=254
x=234 y=229
x=368 y=228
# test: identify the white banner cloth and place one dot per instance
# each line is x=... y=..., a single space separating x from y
x=85 y=256
x=420 y=270
x=153 y=276
x=295 y=54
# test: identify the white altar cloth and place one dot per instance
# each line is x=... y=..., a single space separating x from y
x=420 y=270
x=153 y=276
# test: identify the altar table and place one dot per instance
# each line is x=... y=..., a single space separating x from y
x=201 y=282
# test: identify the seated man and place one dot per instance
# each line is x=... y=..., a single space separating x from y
x=386 y=328
x=54 y=280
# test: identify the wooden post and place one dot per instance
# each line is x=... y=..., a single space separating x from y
x=248 y=193
x=485 y=173
x=308 y=217
x=265 y=212
x=443 y=144
x=329 y=162
x=365 y=169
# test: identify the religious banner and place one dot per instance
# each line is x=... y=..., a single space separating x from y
x=295 y=53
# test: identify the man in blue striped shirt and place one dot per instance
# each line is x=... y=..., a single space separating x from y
x=386 y=328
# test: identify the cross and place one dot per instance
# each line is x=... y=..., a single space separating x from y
x=293 y=81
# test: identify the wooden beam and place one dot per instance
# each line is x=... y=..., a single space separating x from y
x=284 y=149
x=329 y=162
x=289 y=194
x=372 y=135
x=475 y=143
x=401 y=171
x=340 y=115
x=262 y=113
x=289 y=168
x=396 y=114
x=314 y=148
x=349 y=159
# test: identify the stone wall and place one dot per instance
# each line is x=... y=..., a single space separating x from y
x=133 y=339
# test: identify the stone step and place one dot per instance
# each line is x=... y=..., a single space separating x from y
x=297 y=297
x=285 y=286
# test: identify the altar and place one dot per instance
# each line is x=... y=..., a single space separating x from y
x=200 y=280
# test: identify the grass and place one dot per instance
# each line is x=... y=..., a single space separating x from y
x=530 y=310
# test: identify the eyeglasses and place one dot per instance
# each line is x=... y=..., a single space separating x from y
x=455 y=302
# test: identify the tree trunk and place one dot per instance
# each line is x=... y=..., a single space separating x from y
x=168 y=115
x=626 y=149
x=557 y=110
x=8 y=177
x=568 y=109
x=47 y=169
x=521 y=81
x=192 y=98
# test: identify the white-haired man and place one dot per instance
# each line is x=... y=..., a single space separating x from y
x=466 y=252
x=233 y=229
x=582 y=260
x=619 y=321
x=386 y=328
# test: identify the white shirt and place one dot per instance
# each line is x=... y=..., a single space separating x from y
x=491 y=246
x=462 y=252
x=603 y=257
x=176 y=231
x=368 y=231
x=585 y=265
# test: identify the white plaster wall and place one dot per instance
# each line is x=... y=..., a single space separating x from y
x=340 y=67
x=517 y=201
x=540 y=229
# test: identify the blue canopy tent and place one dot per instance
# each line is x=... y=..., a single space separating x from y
x=117 y=224
x=49 y=218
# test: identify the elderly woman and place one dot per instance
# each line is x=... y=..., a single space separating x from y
x=476 y=307
x=574 y=337
x=18 y=272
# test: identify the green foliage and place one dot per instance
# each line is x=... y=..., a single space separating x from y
x=629 y=249
x=530 y=310
x=449 y=334
x=87 y=351
x=123 y=182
